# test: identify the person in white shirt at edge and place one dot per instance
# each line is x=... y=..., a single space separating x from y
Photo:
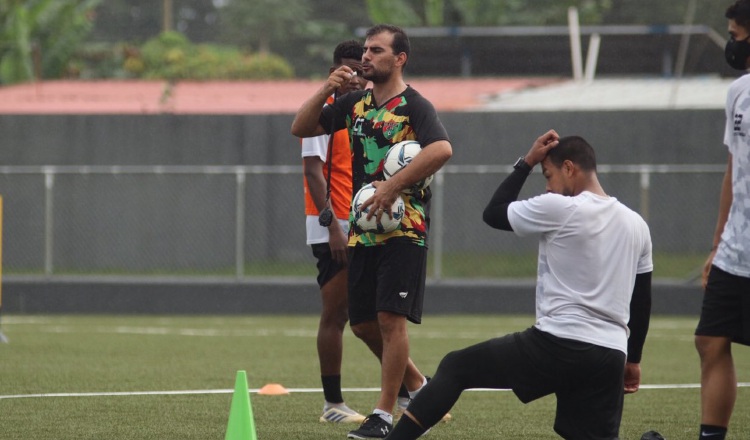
x=593 y=302
x=725 y=314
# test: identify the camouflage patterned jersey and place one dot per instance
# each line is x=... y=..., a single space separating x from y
x=373 y=130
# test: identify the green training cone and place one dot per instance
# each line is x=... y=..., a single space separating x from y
x=241 y=425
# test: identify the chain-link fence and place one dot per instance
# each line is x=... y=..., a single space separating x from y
x=248 y=221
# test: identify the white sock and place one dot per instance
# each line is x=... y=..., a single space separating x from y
x=383 y=415
x=414 y=393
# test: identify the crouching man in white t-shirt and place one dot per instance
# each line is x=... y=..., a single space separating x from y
x=593 y=302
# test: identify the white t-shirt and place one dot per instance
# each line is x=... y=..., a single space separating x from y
x=311 y=147
x=733 y=255
x=590 y=249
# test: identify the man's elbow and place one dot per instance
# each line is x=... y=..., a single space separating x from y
x=487 y=218
x=298 y=131
x=446 y=151
x=497 y=218
x=440 y=152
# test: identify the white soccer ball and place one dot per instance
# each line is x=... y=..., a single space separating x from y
x=399 y=156
x=389 y=221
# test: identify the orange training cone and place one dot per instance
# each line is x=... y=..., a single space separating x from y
x=273 y=389
x=241 y=425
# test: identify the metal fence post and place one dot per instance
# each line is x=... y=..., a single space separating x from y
x=437 y=227
x=645 y=192
x=49 y=220
x=239 y=252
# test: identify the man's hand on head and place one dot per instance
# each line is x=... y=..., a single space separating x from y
x=541 y=147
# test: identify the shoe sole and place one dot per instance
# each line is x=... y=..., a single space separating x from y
x=347 y=419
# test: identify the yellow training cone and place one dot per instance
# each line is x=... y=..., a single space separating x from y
x=241 y=425
x=273 y=389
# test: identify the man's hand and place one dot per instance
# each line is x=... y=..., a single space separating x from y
x=541 y=147
x=337 y=241
x=381 y=201
x=707 y=268
x=632 y=377
x=341 y=78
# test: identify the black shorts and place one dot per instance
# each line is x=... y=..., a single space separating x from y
x=327 y=266
x=726 y=307
x=387 y=278
x=587 y=379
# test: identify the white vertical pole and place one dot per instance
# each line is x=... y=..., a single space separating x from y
x=592 y=57
x=575 y=43
x=682 y=52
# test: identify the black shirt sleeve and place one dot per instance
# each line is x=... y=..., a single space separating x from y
x=496 y=212
x=424 y=119
x=640 y=316
x=333 y=116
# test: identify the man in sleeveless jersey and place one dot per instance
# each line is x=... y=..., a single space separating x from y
x=386 y=271
x=725 y=314
x=593 y=302
x=329 y=243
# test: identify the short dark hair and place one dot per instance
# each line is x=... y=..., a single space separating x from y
x=347 y=49
x=400 y=40
x=740 y=13
x=576 y=150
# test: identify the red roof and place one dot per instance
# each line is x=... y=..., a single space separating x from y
x=220 y=97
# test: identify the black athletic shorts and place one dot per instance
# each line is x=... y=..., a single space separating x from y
x=726 y=307
x=327 y=266
x=386 y=278
x=587 y=379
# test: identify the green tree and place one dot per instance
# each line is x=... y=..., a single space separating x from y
x=136 y=21
x=482 y=12
x=173 y=57
x=39 y=37
x=258 y=23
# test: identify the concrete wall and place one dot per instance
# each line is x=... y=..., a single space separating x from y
x=280 y=296
x=653 y=136
x=187 y=222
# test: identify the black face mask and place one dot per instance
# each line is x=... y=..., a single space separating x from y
x=736 y=53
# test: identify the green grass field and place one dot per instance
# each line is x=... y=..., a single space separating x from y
x=131 y=354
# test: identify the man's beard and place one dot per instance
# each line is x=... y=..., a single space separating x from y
x=377 y=77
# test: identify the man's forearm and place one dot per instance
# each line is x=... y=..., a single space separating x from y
x=306 y=121
x=640 y=316
x=496 y=212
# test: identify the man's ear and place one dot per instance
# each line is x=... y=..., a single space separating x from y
x=569 y=168
x=401 y=59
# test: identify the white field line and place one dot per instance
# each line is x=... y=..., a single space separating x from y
x=297 y=390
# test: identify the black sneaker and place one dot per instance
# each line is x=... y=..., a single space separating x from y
x=373 y=427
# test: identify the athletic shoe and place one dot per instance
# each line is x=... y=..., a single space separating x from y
x=373 y=427
x=652 y=435
x=401 y=404
x=343 y=414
